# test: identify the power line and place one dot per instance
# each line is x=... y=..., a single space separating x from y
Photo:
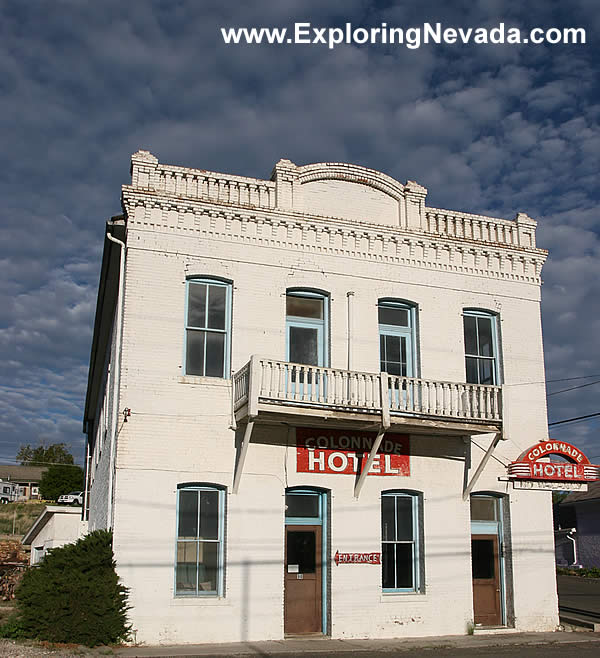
x=493 y=456
x=570 y=420
x=35 y=463
x=568 y=379
x=564 y=390
x=552 y=381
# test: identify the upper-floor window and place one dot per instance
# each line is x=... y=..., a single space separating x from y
x=397 y=349
x=306 y=327
x=481 y=347
x=200 y=540
x=208 y=328
x=401 y=543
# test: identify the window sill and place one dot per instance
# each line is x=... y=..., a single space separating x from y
x=218 y=382
x=390 y=596
x=209 y=600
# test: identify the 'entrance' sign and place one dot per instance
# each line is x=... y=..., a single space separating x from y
x=337 y=451
x=529 y=466
x=357 y=558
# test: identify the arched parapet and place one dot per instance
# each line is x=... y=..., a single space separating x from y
x=347 y=191
x=350 y=173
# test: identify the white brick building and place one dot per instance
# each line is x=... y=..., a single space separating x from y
x=256 y=341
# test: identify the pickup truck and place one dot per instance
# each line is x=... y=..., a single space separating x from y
x=73 y=498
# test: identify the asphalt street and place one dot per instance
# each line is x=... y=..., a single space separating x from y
x=582 y=650
x=543 y=651
x=579 y=593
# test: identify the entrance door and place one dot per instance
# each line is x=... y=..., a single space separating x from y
x=303 y=585
x=486 y=580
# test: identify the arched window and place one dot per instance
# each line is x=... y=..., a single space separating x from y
x=307 y=331
x=481 y=347
x=397 y=344
x=199 y=563
x=208 y=327
x=402 y=541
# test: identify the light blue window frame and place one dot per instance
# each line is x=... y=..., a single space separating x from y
x=221 y=492
x=494 y=528
x=409 y=332
x=208 y=281
x=322 y=521
x=322 y=326
x=495 y=359
x=416 y=541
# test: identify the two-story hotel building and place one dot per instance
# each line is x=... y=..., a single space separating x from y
x=303 y=395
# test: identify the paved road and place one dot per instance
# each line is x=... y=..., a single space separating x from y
x=580 y=593
x=544 y=651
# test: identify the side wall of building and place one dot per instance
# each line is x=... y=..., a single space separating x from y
x=100 y=458
x=62 y=528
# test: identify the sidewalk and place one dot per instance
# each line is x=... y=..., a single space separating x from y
x=328 y=646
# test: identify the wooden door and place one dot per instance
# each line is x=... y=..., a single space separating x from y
x=486 y=580
x=302 y=590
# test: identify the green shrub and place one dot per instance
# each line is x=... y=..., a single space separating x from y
x=73 y=596
x=11 y=628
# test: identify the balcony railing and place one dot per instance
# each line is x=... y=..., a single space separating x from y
x=267 y=381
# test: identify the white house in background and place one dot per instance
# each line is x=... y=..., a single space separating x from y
x=54 y=527
x=301 y=403
x=27 y=478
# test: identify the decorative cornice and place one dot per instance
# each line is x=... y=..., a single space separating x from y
x=284 y=193
x=301 y=232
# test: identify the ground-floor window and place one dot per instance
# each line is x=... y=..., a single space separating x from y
x=200 y=540
x=401 y=542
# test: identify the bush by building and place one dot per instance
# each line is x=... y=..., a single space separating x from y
x=73 y=596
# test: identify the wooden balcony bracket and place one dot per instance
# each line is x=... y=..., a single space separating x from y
x=385 y=425
x=239 y=467
x=253 y=387
x=482 y=464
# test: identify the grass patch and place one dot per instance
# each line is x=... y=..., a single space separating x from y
x=19 y=516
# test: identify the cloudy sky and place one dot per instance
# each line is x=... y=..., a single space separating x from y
x=492 y=129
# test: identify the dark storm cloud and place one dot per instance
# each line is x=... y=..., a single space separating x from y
x=83 y=85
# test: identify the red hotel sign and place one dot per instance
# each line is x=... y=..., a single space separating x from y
x=336 y=451
x=357 y=558
x=529 y=466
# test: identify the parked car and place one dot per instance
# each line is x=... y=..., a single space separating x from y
x=73 y=498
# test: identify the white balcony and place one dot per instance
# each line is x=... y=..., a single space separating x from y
x=276 y=391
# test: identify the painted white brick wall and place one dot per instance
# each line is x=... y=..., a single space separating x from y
x=179 y=430
x=349 y=200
